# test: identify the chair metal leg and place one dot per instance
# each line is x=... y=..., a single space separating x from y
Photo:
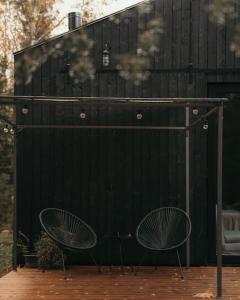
x=64 y=268
x=94 y=261
x=180 y=266
x=140 y=263
x=156 y=257
x=121 y=255
x=142 y=259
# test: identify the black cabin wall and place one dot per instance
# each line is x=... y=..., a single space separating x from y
x=112 y=179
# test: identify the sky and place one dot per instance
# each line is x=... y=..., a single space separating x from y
x=67 y=6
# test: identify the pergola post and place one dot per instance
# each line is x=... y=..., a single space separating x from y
x=187 y=177
x=219 y=200
x=14 y=247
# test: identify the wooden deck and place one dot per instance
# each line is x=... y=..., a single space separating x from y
x=86 y=283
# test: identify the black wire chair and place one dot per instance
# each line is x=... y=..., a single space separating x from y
x=68 y=231
x=164 y=229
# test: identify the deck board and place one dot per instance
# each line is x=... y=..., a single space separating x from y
x=86 y=283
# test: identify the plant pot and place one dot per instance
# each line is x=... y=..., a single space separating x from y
x=31 y=260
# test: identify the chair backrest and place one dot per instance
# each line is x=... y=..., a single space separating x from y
x=67 y=229
x=231 y=220
x=164 y=228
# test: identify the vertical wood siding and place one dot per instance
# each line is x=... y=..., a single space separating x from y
x=111 y=179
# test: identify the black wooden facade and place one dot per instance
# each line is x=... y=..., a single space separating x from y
x=111 y=179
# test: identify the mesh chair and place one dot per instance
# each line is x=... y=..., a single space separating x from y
x=164 y=229
x=68 y=231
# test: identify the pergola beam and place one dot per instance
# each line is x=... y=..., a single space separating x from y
x=13 y=100
x=219 y=200
x=100 y=127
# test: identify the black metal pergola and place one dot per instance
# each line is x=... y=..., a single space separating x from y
x=212 y=105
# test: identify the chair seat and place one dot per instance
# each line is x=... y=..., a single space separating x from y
x=67 y=230
x=164 y=229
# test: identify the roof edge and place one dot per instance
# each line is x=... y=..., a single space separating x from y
x=79 y=28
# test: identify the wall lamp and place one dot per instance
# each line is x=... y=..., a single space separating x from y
x=106 y=60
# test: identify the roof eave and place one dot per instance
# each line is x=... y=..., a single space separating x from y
x=77 y=29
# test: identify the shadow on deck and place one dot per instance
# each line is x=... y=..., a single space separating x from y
x=86 y=283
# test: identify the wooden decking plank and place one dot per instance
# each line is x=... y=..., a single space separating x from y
x=86 y=283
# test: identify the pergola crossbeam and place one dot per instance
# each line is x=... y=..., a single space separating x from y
x=14 y=100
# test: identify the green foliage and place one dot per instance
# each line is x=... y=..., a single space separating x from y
x=6 y=199
x=3 y=73
x=6 y=152
x=5 y=251
x=23 y=244
x=22 y=24
x=36 y=20
x=47 y=251
x=22 y=248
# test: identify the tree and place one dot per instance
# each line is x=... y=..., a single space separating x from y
x=6 y=151
x=89 y=8
x=36 y=20
x=22 y=23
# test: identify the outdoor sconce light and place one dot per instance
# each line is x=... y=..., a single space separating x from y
x=83 y=115
x=205 y=125
x=12 y=131
x=139 y=116
x=66 y=68
x=25 y=110
x=106 y=56
x=195 y=111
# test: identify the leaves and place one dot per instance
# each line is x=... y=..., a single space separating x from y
x=206 y=295
x=235 y=43
x=5 y=250
x=135 y=66
x=47 y=251
x=220 y=9
x=36 y=20
x=227 y=11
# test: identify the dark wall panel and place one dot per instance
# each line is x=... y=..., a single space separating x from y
x=111 y=179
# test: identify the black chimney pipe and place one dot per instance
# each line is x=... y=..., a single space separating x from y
x=74 y=20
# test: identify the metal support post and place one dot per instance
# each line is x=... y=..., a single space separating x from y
x=219 y=201
x=187 y=159
x=14 y=247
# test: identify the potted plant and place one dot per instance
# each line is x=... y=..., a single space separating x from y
x=48 y=253
x=25 y=250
